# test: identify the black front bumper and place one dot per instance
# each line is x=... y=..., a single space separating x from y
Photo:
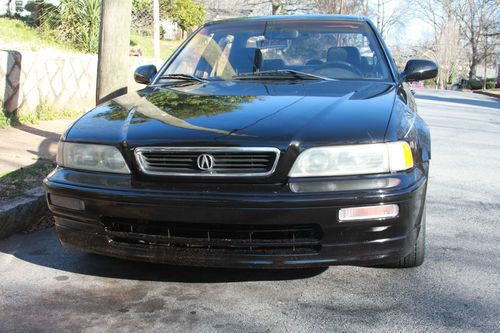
x=114 y=203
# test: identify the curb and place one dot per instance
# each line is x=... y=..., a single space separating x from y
x=22 y=213
x=486 y=93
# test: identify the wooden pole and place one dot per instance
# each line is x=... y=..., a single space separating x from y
x=114 y=48
x=156 y=29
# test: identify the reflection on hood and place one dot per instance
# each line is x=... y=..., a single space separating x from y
x=136 y=103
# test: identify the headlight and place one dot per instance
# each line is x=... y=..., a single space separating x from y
x=353 y=160
x=91 y=157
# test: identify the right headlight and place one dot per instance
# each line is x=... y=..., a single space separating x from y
x=353 y=160
x=92 y=157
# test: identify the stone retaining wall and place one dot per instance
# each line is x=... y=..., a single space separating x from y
x=51 y=78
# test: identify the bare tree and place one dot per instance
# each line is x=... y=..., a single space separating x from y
x=387 y=19
x=449 y=53
x=490 y=45
x=437 y=13
x=279 y=7
x=352 y=7
x=445 y=48
x=477 y=19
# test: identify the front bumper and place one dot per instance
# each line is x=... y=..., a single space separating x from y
x=119 y=198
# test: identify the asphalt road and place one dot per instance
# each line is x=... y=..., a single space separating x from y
x=45 y=288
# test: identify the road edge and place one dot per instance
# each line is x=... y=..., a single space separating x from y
x=486 y=93
x=21 y=213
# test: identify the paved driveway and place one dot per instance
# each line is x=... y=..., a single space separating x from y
x=44 y=287
x=22 y=145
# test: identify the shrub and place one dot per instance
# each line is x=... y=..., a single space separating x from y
x=186 y=13
x=43 y=15
x=490 y=84
x=478 y=84
x=430 y=83
x=73 y=21
x=80 y=20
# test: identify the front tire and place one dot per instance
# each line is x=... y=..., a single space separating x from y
x=416 y=257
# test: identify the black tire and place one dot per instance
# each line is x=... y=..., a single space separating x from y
x=416 y=257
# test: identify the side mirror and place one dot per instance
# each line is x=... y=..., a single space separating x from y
x=144 y=74
x=419 y=70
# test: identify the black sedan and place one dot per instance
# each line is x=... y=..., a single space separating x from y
x=267 y=142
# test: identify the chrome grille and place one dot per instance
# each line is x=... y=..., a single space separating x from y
x=234 y=161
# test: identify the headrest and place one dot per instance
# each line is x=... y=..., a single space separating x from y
x=336 y=54
x=348 y=54
x=246 y=60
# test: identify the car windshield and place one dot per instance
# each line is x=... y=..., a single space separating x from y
x=282 y=49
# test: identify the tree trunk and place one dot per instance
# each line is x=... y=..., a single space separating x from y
x=484 y=78
x=473 y=42
x=9 y=12
x=485 y=61
x=114 y=48
x=474 y=62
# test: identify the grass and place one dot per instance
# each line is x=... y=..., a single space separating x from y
x=42 y=113
x=145 y=43
x=5 y=121
x=15 y=183
x=23 y=37
x=495 y=91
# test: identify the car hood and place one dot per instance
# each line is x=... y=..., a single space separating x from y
x=277 y=114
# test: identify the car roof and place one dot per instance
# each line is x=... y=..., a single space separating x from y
x=314 y=17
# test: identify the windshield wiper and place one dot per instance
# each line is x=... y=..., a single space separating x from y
x=281 y=74
x=186 y=77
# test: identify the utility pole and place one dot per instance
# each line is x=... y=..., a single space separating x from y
x=156 y=28
x=114 y=48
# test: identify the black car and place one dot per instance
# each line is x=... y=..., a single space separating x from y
x=269 y=142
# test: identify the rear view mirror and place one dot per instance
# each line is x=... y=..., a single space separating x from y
x=419 y=70
x=284 y=34
x=145 y=74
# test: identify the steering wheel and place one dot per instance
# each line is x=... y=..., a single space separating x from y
x=339 y=64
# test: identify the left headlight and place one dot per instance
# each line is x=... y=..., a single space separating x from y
x=353 y=160
x=91 y=157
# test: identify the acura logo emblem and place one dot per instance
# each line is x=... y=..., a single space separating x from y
x=205 y=162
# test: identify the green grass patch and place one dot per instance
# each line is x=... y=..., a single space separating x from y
x=16 y=32
x=23 y=36
x=5 y=121
x=15 y=183
x=42 y=113
x=145 y=43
